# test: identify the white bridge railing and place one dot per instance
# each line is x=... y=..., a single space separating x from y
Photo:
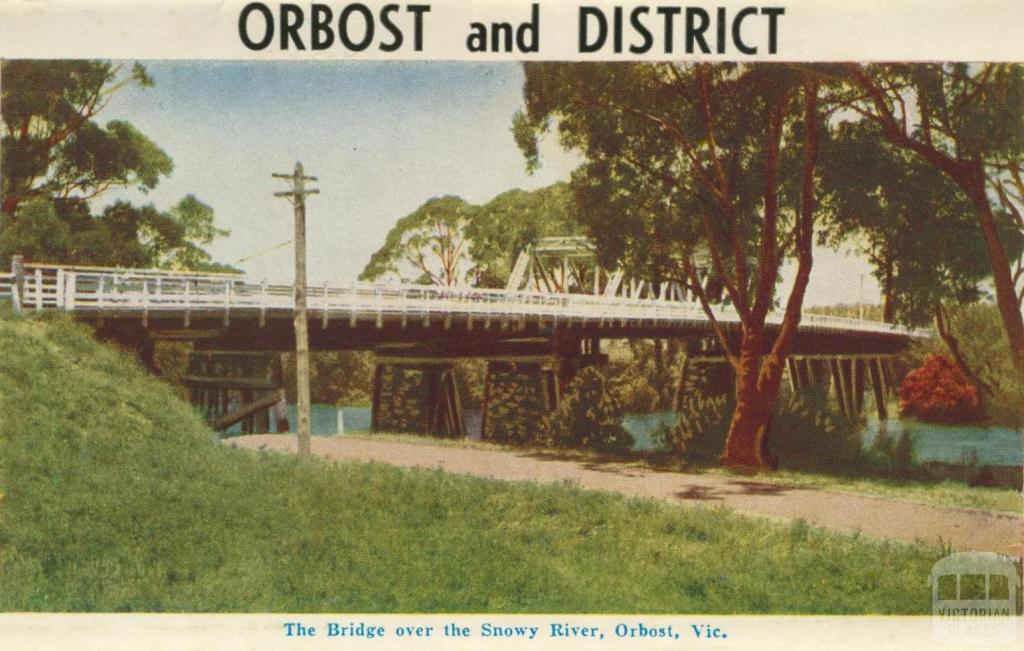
x=166 y=293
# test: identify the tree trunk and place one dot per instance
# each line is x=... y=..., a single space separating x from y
x=888 y=290
x=1002 y=277
x=758 y=377
x=953 y=345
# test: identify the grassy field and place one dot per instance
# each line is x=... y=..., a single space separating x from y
x=116 y=497
x=945 y=493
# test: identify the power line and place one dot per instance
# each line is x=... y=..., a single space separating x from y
x=263 y=252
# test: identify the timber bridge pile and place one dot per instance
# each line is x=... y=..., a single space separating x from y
x=535 y=334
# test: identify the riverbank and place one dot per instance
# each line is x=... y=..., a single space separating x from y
x=962 y=529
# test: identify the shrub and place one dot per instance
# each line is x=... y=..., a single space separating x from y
x=903 y=456
x=807 y=433
x=986 y=350
x=589 y=415
x=938 y=391
x=699 y=434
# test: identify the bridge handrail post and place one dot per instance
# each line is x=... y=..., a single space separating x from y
x=227 y=301
x=70 y=290
x=188 y=301
x=15 y=298
x=324 y=317
x=61 y=290
x=39 y=288
x=263 y=301
x=18 y=284
x=145 y=302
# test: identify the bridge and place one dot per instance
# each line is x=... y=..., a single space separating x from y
x=539 y=330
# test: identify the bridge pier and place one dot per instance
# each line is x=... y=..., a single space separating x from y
x=879 y=387
x=237 y=387
x=517 y=396
x=420 y=397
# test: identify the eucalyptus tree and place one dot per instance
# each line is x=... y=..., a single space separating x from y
x=58 y=158
x=909 y=220
x=512 y=221
x=967 y=121
x=53 y=145
x=913 y=224
x=448 y=241
x=708 y=173
x=427 y=246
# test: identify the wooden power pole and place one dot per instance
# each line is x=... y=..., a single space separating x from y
x=297 y=195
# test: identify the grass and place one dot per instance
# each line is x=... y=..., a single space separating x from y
x=116 y=497
x=945 y=493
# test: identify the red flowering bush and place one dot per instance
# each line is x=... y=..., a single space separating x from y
x=939 y=391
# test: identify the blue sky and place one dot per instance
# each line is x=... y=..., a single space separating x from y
x=382 y=137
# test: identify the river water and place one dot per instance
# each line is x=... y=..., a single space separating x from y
x=933 y=442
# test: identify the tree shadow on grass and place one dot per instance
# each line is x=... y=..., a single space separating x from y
x=705 y=493
x=760 y=488
x=700 y=493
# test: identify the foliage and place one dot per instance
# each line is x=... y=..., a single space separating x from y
x=512 y=221
x=449 y=242
x=965 y=121
x=699 y=434
x=644 y=372
x=892 y=457
x=343 y=379
x=403 y=397
x=470 y=380
x=939 y=392
x=53 y=148
x=120 y=235
x=57 y=158
x=986 y=351
x=426 y=246
x=117 y=498
x=809 y=434
x=588 y=416
x=889 y=202
x=903 y=456
x=516 y=404
x=690 y=178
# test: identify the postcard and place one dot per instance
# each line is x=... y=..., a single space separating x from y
x=511 y=324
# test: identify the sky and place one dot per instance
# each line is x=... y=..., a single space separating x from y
x=381 y=137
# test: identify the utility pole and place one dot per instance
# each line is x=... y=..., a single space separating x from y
x=297 y=195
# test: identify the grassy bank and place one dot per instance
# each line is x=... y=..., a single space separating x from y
x=116 y=497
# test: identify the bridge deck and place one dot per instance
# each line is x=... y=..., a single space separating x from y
x=152 y=293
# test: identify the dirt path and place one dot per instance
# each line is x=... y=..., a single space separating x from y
x=880 y=518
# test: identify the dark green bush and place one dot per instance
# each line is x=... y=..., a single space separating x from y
x=807 y=433
x=699 y=434
x=589 y=415
x=903 y=456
